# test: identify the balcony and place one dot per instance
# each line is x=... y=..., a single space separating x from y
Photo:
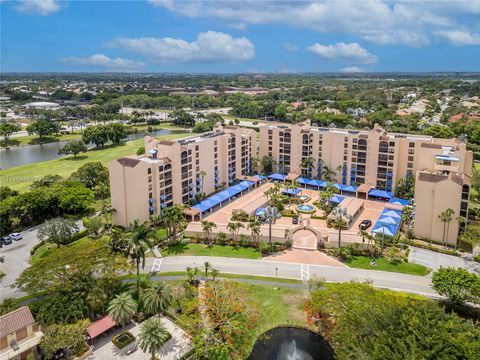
x=449 y=168
x=21 y=346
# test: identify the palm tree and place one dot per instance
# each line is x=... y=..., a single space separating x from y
x=152 y=336
x=254 y=226
x=173 y=217
x=449 y=213
x=254 y=163
x=307 y=164
x=271 y=216
x=338 y=216
x=156 y=219
x=207 y=226
x=134 y=244
x=202 y=175
x=443 y=216
x=214 y=273
x=156 y=298
x=234 y=227
x=121 y=308
x=206 y=266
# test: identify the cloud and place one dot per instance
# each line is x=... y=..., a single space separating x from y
x=411 y=23
x=351 y=52
x=37 y=7
x=209 y=47
x=459 y=37
x=352 y=70
x=290 y=47
x=105 y=62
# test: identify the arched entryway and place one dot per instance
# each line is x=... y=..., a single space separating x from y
x=304 y=238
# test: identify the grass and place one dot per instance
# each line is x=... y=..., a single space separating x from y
x=20 y=177
x=215 y=250
x=48 y=248
x=363 y=262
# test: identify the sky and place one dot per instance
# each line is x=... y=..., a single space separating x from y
x=170 y=36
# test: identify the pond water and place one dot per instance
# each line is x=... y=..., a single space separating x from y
x=285 y=343
x=23 y=155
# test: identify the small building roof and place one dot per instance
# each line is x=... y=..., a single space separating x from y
x=100 y=326
x=128 y=162
x=15 y=320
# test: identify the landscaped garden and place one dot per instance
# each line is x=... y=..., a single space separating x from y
x=365 y=262
x=189 y=249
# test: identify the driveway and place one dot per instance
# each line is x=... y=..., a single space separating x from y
x=173 y=349
x=17 y=255
x=435 y=260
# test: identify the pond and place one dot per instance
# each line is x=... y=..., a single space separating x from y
x=287 y=343
x=23 y=155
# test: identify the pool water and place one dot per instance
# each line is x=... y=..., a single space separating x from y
x=287 y=343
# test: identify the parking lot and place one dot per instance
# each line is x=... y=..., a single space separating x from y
x=16 y=256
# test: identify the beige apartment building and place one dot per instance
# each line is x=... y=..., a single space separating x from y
x=19 y=334
x=442 y=167
x=176 y=171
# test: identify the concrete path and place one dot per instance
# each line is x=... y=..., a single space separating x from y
x=381 y=279
x=435 y=260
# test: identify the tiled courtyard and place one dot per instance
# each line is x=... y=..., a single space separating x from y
x=173 y=349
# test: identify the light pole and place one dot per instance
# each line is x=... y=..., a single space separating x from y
x=276 y=272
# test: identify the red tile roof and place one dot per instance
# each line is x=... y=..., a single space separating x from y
x=100 y=326
x=15 y=320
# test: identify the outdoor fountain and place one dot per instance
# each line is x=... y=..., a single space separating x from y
x=286 y=343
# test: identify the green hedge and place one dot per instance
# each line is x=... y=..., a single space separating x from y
x=123 y=339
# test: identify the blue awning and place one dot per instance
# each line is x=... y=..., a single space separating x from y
x=151 y=208
x=337 y=186
x=259 y=211
x=446 y=157
x=351 y=188
x=336 y=199
x=385 y=229
x=278 y=177
x=387 y=220
x=317 y=183
x=163 y=206
x=223 y=195
x=399 y=201
x=302 y=181
x=291 y=191
x=163 y=197
x=260 y=177
x=380 y=193
x=392 y=213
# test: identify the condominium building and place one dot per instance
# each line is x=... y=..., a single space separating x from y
x=177 y=171
x=379 y=159
x=19 y=334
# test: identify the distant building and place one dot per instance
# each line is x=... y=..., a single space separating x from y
x=19 y=334
x=45 y=105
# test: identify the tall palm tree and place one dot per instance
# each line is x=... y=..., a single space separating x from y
x=206 y=266
x=339 y=217
x=121 y=308
x=254 y=226
x=443 y=216
x=152 y=336
x=234 y=227
x=449 y=213
x=134 y=244
x=271 y=216
x=156 y=298
x=202 y=174
x=207 y=226
x=214 y=273
x=254 y=163
x=173 y=218
x=307 y=165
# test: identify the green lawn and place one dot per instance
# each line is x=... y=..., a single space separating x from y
x=20 y=177
x=363 y=262
x=215 y=250
x=47 y=249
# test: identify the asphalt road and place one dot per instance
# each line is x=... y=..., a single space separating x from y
x=435 y=260
x=381 y=279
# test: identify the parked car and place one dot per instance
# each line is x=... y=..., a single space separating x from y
x=255 y=123
x=16 y=236
x=365 y=224
x=6 y=240
x=295 y=220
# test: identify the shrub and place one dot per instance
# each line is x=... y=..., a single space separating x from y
x=141 y=150
x=394 y=254
x=123 y=339
x=344 y=253
x=477 y=258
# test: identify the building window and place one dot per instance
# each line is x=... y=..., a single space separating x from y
x=3 y=343
x=412 y=144
x=149 y=171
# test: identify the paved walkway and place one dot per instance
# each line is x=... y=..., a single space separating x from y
x=434 y=260
x=305 y=239
x=301 y=256
x=173 y=349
